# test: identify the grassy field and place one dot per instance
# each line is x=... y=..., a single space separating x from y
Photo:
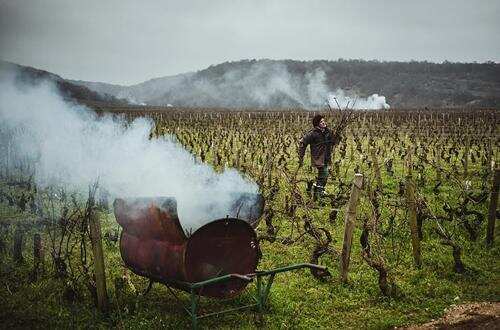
x=448 y=155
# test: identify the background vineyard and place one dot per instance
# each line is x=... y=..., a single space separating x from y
x=449 y=155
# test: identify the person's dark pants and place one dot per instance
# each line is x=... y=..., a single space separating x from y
x=322 y=178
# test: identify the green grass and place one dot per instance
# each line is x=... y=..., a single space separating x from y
x=297 y=299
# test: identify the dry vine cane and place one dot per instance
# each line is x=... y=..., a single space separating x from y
x=447 y=239
x=322 y=246
x=387 y=286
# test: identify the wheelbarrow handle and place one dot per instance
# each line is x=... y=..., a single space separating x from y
x=288 y=268
x=314 y=266
x=241 y=277
x=219 y=279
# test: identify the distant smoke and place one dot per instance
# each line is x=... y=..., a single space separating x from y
x=129 y=97
x=248 y=84
x=340 y=98
x=317 y=90
x=73 y=147
x=273 y=85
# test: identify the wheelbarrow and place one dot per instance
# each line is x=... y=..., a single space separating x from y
x=218 y=260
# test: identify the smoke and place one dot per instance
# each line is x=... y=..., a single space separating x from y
x=340 y=98
x=267 y=85
x=317 y=89
x=260 y=84
x=319 y=93
x=73 y=147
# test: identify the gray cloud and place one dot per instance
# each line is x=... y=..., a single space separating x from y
x=130 y=41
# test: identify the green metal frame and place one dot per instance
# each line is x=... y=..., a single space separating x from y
x=262 y=291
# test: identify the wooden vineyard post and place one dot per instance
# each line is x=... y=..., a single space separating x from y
x=412 y=208
x=489 y=155
x=350 y=217
x=17 y=251
x=38 y=255
x=492 y=211
x=100 y=275
x=466 y=158
x=376 y=166
x=438 y=166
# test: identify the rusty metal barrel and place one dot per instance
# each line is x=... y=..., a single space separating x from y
x=153 y=244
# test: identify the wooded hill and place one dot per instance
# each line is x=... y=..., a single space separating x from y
x=76 y=92
x=289 y=83
x=294 y=84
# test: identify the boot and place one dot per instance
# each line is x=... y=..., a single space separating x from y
x=309 y=188
x=318 y=194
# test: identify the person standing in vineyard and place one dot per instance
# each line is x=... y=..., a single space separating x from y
x=321 y=139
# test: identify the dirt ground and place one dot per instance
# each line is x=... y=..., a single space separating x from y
x=484 y=315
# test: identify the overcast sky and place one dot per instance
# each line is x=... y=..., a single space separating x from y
x=127 y=42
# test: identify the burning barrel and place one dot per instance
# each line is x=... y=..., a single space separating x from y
x=153 y=244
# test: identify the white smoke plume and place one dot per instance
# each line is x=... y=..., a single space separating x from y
x=73 y=147
x=317 y=89
x=269 y=84
x=318 y=93
x=340 y=98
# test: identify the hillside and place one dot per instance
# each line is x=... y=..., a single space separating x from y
x=69 y=90
x=288 y=83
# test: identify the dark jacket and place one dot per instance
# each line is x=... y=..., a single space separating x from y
x=321 y=143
